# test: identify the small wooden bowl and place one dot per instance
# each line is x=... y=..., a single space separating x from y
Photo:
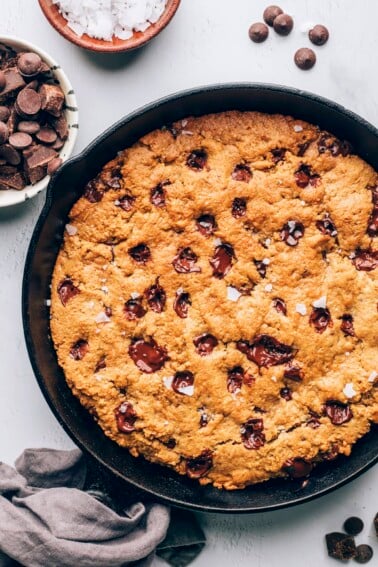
x=116 y=45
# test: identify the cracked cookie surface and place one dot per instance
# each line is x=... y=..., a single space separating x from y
x=214 y=303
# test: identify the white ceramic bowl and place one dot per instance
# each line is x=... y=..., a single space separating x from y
x=11 y=196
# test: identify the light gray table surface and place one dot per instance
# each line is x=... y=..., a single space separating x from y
x=207 y=42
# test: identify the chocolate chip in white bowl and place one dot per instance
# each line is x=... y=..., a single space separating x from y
x=3 y=80
x=20 y=140
x=28 y=126
x=29 y=64
x=54 y=165
x=46 y=135
x=4 y=113
x=28 y=103
x=4 y=133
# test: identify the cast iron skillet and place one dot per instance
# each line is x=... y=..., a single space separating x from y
x=66 y=187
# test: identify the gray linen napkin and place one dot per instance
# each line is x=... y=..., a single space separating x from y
x=53 y=513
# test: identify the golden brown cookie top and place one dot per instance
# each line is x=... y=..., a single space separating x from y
x=215 y=300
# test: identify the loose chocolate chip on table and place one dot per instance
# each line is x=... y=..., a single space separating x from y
x=305 y=58
x=376 y=524
x=126 y=417
x=197 y=467
x=185 y=260
x=181 y=304
x=221 y=261
x=318 y=35
x=320 y=319
x=338 y=412
x=205 y=344
x=156 y=297
x=20 y=140
x=4 y=133
x=4 y=113
x=258 y=32
x=285 y=393
x=46 y=135
x=134 y=309
x=283 y=24
x=28 y=126
x=140 y=253
x=67 y=290
x=252 y=434
x=271 y=13
x=297 y=467
x=239 y=207
x=54 y=165
x=206 y=224
x=340 y=546
x=364 y=259
x=347 y=325
x=58 y=144
x=182 y=380
x=353 y=525
x=291 y=232
x=363 y=553
x=28 y=102
x=29 y=64
x=279 y=305
x=148 y=356
x=242 y=172
x=266 y=351
x=197 y=159
x=79 y=349
x=3 y=80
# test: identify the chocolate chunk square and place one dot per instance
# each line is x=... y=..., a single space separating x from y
x=341 y=546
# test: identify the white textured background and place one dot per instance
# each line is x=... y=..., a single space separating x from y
x=207 y=42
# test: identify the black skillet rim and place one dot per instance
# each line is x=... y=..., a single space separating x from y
x=297 y=499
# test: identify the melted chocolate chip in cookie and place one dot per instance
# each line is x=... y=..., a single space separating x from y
x=101 y=365
x=182 y=380
x=305 y=176
x=221 y=262
x=373 y=219
x=326 y=226
x=196 y=467
x=134 y=309
x=252 y=434
x=205 y=344
x=79 y=349
x=347 y=325
x=185 y=261
x=92 y=193
x=206 y=224
x=338 y=412
x=148 y=356
x=242 y=172
x=140 y=253
x=181 y=303
x=260 y=267
x=239 y=207
x=365 y=259
x=291 y=232
x=297 y=467
x=126 y=202
x=235 y=377
x=197 y=159
x=293 y=372
x=286 y=394
x=328 y=143
x=320 y=319
x=280 y=305
x=67 y=290
x=126 y=417
x=158 y=194
x=266 y=351
x=156 y=297
x=278 y=154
